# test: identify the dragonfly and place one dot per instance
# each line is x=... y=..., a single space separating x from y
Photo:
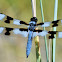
x=28 y=30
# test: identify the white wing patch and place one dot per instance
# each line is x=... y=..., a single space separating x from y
x=16 y=31
x=43 y=33
x=59 y=34
x=35 y=34
x=61 y=22
x=23 y=33
x=46 y=24
x=17 y=22
x=2 y=16
x=1 y=29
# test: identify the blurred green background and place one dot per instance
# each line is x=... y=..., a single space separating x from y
x=13 y=47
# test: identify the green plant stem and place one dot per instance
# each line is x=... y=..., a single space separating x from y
x=54 y=29
x=44 y=29
x=38 y=58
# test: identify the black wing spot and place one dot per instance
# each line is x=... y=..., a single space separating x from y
x=52 y=34
x=8 y=31
x=22 y=22
x=8 y=19
x=51 y=37
x=22 y=29
x=37 y=30
x=40 y=23
x=55 y=23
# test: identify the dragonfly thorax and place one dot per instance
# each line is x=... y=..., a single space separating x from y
x=32 y=25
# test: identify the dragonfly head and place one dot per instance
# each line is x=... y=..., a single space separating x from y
x=34 y=19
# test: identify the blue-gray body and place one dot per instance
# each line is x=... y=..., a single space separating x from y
x=29 y=43
x=31 y=28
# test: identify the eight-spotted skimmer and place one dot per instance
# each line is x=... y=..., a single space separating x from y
x=30 y=31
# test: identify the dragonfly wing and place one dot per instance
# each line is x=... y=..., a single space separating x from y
x=25 y=33
x=61 y=22
x=17 y=22
x=18 y=31
x=2 y=16
x=35 y=34
x=46 y=24
x=8 y=19
x=39 y=33
x=1 y=29
x=29 y=43
x=59 y=34
x=43 y=33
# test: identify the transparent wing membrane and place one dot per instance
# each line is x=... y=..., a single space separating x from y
x=8 y=20
x=25 y=32
x=59 y=34
x=16 y=22
x=46 y=24
x=15 y=26
x=22 y=32
x=1 y=29
x=2 y=16
x=52 y=24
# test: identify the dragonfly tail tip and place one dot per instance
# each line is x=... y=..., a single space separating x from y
x=26 y=56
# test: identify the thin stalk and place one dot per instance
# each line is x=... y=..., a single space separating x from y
x=50 y=43
x=54 y=29
x=33 y=8
x=50 y=50
x=38 y=58
x=44 y=29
